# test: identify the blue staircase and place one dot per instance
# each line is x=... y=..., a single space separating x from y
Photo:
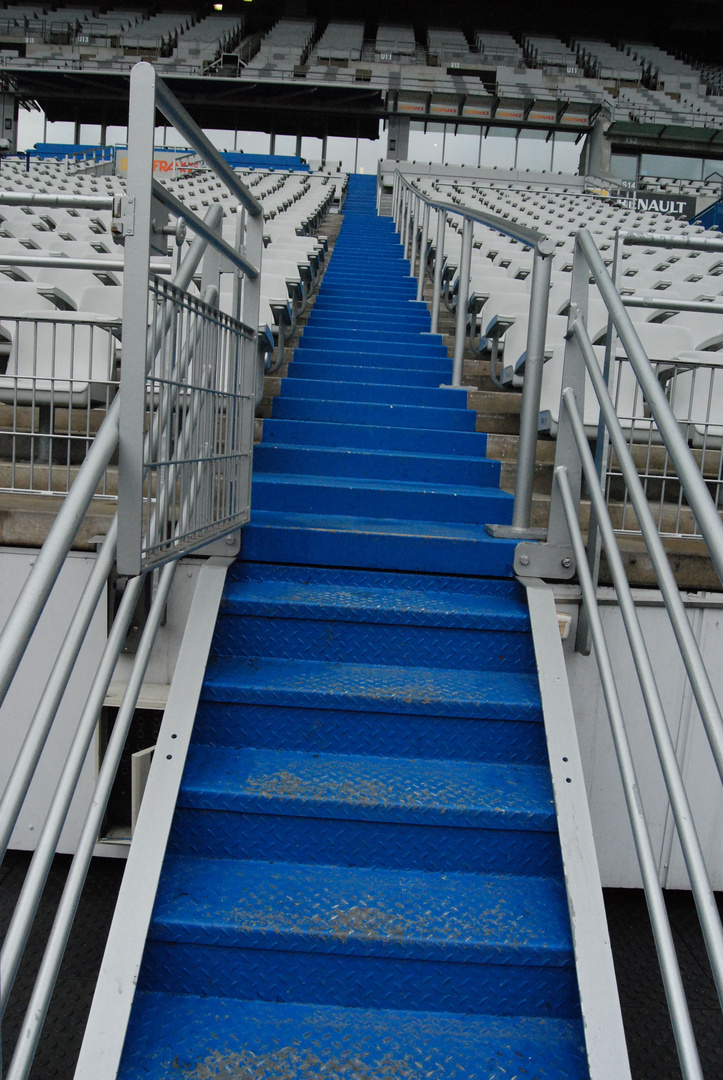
x=363 y=878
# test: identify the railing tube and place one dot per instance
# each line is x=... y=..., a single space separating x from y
x=690 y=477
x=27 y=904
x=699 y=680
x=407 y=222
x=11 y=636
x=37 y=733
x=665 y=948
x=415 y=234
x=695 y=864
x=423 y=252
x=534 y=362
x=460 y=333
x=438 y=267
x=50 y=964
x=24 y=616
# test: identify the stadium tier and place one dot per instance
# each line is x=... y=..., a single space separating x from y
x=361 y=546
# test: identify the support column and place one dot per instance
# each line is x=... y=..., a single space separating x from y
x=298 y=146
x=272 y=142
x=398 y=138
x=595 y=157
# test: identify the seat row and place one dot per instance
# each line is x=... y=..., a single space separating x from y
x=686 y=347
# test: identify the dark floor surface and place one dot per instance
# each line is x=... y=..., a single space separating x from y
x=650 y=1040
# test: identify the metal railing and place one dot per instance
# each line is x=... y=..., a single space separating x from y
x=411 y=211
x=186 y=398
x=691 y=383
x=565 y=551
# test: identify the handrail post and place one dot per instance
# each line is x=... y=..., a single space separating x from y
x=438 y=264
x=534 y=362
x=407 y=222
x=460 y=332
x=402 y=214
x=415 y=233
x=423 y=252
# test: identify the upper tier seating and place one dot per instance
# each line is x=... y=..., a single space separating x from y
x=501 y=274
x=339 y=43
x=395 y=43
x=284 y=47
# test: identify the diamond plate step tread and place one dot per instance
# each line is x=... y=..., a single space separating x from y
x=377 y=579
x=450 y=793
x=373 y=731
x=381 y=543
x=172 y=1037
x=376 y=465
x=364 y=911
x=373 y=643
x=355 y=980
x=483 y=695
x=395 y=500
x=345 y=841
x=407 y=607
x=371 y=436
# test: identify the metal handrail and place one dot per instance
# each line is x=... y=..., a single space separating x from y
x=21 y=623
x=406 y=203
x=574 y=459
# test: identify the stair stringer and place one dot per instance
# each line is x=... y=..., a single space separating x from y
x=115 y=990
x=599 y=1001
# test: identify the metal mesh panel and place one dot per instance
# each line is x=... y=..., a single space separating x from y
x=58 y=375
x=695 y=392
x=197 y=453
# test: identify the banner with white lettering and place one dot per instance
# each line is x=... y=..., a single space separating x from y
x=664 y=203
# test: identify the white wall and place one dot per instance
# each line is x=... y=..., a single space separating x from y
x=613 y=838
x=19 y=706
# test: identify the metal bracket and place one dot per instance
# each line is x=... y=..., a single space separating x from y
x=554 y=562
x=124 y=217
x=225 y=546
x=159 y=226
x=516 y=532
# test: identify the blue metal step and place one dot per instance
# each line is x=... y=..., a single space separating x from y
x=172 y=1033
x=518 y=741
x=379 y=414
x=375 y=464
x=380 y=543
x=299 y=369
x=483 y=695
x=360 y=321
x=381 y=338
x=362 y=936
x=374 y=437
x=339 y=354
x=391 y=626
x=357 y=497
x=384 y=393
x=392 y=813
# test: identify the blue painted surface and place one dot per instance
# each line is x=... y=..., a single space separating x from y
x=363 y=876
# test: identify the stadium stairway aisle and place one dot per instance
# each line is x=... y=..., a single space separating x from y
x=364 y=875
